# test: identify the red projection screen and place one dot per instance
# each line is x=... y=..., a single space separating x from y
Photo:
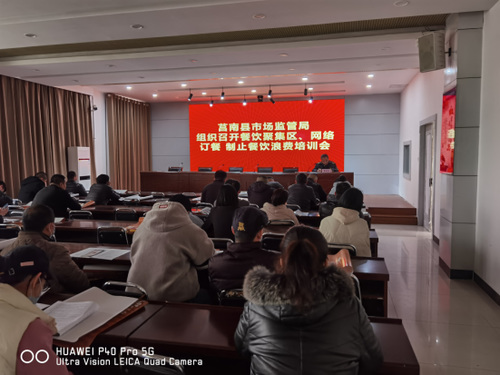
x=285 y=134
x=448 y=132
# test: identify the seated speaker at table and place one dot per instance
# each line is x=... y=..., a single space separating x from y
x=325 y=163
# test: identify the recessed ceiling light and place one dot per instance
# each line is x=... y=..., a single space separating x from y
x=193 y=60
x=310 y=89
x=183 y=84
x=129 y=87
x=291 y=69
x=76 y=81
x=203 y=93
x=304 y=78
x=284 y=54
x=30 y=35
x=36 y=70
x=111 y=66
x=254 y=91
x=155 y=95
x=368 y=86
x=401 y=3
x=259 y=16
x=371 y=75
x=241 y=82
x=141 y=77
x=385 y=49
x=137 y=26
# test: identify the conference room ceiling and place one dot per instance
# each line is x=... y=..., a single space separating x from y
x=155 y=46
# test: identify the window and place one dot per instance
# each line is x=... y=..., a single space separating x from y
x=406 y=160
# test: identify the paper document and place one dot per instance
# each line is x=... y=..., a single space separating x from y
x=108 y=307
x=100 y=253
x=58 y=220
x=136 y=197
x=121 y=191
x=69 y=314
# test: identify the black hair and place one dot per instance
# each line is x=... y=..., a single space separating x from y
x=220 y=175
x=182 y=199
x=341 y=188
x=352 y=199
x=227 y=197
x=41 y=175
x=234 y=183
x=36 y=218
x=304 y=253
x=2 y=184
x=279 y=197
x=301 y=178
x=57 y=179
x=341 y=178
x=71 y=175
x=22 y=262
x=102 y=179
x=324 y=156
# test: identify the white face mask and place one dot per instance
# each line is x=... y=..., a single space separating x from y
x=33 y=298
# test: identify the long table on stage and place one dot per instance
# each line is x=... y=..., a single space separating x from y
x=196 y=181
x=193 y=331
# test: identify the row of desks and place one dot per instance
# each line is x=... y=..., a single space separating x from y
x=207 y=332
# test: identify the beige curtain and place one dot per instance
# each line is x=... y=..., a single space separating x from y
x=129 y=134
x=37 y=124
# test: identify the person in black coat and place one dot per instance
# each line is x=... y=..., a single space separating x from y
x=301 y=194
x=32 y=185
x=75 y=187
x=210 y=192
x=4 y=198
x=56 y=197
x=304 y=317
x=102 y=193
x=218 y=223
x=312 y=181
x=260 y=192
x=325 y=163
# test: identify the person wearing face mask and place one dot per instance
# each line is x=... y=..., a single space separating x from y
x=38 y=227
x=26 y=330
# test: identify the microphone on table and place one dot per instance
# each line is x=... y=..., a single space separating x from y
x=220 y=166
x=256 y=167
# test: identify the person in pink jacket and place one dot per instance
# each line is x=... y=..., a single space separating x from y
x=25 y=330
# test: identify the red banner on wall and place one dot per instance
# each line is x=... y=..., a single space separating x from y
x=285 y=134
x=448 y=132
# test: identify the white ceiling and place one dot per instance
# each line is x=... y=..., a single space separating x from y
x=333 y=66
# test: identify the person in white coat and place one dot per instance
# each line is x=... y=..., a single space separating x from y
x=277 y=209
x=345 y=226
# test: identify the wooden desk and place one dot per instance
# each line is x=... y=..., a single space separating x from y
x=196 y=181
x=198 y=331
x=373 y=278
x=85 y=230
x=103 y=212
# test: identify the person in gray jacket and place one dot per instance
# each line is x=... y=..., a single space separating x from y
x=304 y=318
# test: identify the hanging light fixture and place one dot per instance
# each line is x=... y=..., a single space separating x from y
x=190 y=95
x=244 y=100
x=272 y=100
x=270 y=92
x=222 y=94
x=211 y=102
x=305 y=89
x=311 y=99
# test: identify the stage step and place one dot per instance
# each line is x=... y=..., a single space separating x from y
x=390 y=209
x=394 y=219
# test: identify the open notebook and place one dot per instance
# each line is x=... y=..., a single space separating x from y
x=77 y=319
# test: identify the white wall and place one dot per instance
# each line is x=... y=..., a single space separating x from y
x=100 y=132
x=371 y=140
x=487 y=256
x=421 y=99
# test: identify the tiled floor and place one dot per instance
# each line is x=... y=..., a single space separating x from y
x=453 y=326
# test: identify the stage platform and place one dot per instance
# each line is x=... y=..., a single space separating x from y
x=390 y=209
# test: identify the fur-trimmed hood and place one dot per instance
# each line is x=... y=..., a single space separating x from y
x=263 y=288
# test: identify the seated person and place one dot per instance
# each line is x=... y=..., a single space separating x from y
x=4 y=198
x=312 y=181
x=186 y=202
x=218 y=223
x=210 y=192
x=23 y=276
x=345 y=226
x=38 y=226
x=277 y=209
x=304 y=315
x=274 y=184
x=339 y=180
x=301 y=194
x=227 y=269
x=72 y=186
x=237 y=186
x=325 y=163
x=32 y=185
x=326 y=208
x=3 y=212
x=56 y=197
x=102 y=193
x=260 y=192
x=166 y=249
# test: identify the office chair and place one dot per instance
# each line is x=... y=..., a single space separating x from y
x=231 y=297
x=281 y=223
x=203 y=205
x=16 y=213
x=290 y=169
x=112 y=235
x=293 y=207
x=271 y=241
x=128 y=214
x=130 y=356
x=9 y=231
x=254 y=205
x=175 y=169
x=265 y=169
x=158 y=194
x=80 y=215
x=221 y=243
x=128 y=289
x=334 y=248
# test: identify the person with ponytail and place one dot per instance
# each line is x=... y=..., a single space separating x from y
x=304 y=318
x=25 y=330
